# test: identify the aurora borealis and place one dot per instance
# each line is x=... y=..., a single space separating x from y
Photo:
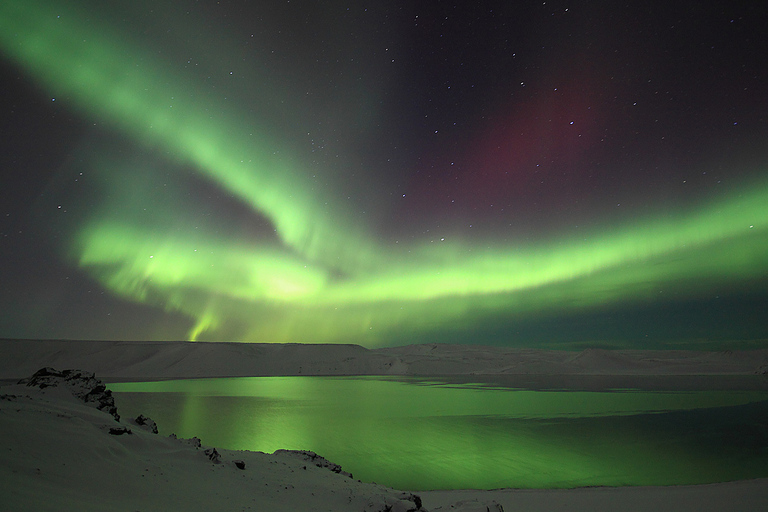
x=384 y=174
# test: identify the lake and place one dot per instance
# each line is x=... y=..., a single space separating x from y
x=454 y=433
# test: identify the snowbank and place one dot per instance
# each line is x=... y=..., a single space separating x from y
x=140 y=360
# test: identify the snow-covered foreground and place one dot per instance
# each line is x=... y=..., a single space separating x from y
x=59 y=453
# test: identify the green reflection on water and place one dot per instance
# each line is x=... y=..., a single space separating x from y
x=420 y=434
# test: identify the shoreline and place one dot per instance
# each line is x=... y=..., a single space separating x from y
x=537 y=382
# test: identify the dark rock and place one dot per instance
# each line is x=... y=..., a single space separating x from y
x=416 y=499
x=315 y=459
x=195 y=441
x=118 y=431
x=239 y=463
x=405 y=502
x=83 y=385
x=213 y=455
x=411 y=502
x=146 y=423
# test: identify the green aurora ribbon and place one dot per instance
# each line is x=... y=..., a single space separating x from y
x=324 y=278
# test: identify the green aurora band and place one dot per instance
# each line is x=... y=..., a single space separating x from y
x=324 y=278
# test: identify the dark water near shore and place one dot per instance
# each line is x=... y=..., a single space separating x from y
x=453 y=433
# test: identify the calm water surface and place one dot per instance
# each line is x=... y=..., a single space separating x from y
x=451 y=434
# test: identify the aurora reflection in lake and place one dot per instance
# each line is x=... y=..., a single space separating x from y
x=418 y=433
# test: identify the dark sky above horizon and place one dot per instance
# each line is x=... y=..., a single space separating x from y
x=551 y=174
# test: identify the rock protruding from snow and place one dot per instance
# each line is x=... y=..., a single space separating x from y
x=194 y=441
x=406 y=502
x=317 y=460
x=82 y=384
x=213 y=455
x=146 y=423
x=395 y=501
x=118 y=431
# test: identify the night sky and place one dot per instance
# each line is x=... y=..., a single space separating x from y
x=534 y=174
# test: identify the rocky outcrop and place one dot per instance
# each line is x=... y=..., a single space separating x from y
x=194 y=441
x=405 y=502
x=146 y=423
x=213 y=455
x=315 y=459
x=118 y=431
x=392 y=501
x=82 y=384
